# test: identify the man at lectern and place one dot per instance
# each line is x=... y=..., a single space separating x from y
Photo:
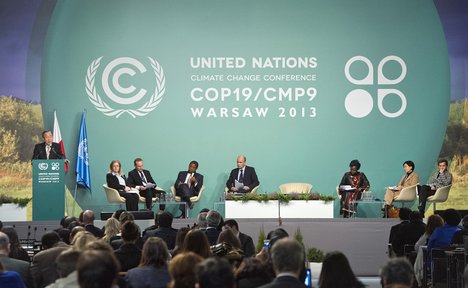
x=141 y=179
x=47 y=149
x=243 y=178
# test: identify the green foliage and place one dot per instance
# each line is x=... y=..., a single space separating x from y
x=261 y=238
x=21 y=202
x=283 y=198
x=315 y=255
x=298 y=237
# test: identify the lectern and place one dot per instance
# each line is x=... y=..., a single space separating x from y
x=48 y=189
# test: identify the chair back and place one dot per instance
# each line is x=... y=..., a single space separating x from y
x=288 y=188
x=113 y=195
x=407 y=194
x=441 y=194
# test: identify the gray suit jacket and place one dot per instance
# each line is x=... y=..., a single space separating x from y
x=20 y=266
x=43 y=266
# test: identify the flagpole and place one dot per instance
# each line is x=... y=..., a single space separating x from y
x=74 y=199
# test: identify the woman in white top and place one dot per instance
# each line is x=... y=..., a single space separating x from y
x=116 y=179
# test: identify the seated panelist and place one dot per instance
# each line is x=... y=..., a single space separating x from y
x=440 y=179
x=116 y=179
x=410 y=178
x=351 y=187
x=243 y=176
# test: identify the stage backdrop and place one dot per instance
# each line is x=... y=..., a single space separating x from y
x=300 y=87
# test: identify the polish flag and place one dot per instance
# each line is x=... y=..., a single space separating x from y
x=57 y=138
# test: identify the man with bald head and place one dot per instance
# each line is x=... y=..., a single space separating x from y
x=88 y=222
x=243 y=174
x=11 y=264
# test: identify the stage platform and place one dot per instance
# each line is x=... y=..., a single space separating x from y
x=364 y=241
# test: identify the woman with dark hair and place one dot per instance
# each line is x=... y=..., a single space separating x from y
x=351 y=187
x=231 y=247
x=153 y=269
x=182 y=270
x=336 y=272
x=116 y=179
x=196 y=241
x=179 y=242
x=16 y=251
x=410 y=178
x=252 y=273
x=440 y=179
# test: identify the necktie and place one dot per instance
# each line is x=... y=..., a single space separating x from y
x=47 y=151
x=188 y=180
x=142 y=176
x=241 y=176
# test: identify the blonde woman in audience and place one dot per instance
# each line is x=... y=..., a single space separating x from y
x=182 y=270
x=112 y=228
x=81 y=239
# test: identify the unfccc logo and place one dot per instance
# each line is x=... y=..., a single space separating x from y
x=359 y=102
x=111 y=81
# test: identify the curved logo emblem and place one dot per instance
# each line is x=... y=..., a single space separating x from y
x=111 y=83
x=43 y=166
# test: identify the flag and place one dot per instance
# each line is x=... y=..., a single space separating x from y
x=57 y=138
x=82 y=159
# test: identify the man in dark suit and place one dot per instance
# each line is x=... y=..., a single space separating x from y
x=188 y=184
x=287 y=256
x=213 y=219
x=47 y=149
x=138 y=178
x=11 y=264
x=88 y=221
x=164 y=231
x=409 y=233
x=243 y=174
x=404 y=217
x=247 y=243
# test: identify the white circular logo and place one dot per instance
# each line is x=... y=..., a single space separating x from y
x=113 y=79
x=43 y=166
x=55 y=166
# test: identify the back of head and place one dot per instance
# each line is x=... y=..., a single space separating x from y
x=130 y=231
x=196 y=241
x=81 y=239
x=66 y=262
x=397 y=271
x=165 y=219
x=336 y=271
x=49 y=239
x=287 y=255
x=227 y=236
x=215 y=272
x=451 y=217
x=232 y=224
x=154 y=253
x=4 y=242
x=275 y=235
x=180 y=236
x=213 y=218
x=181 y=270
x=465 y=222
x=252 y=267
x=88 y=217
x=433 y=222
x=97 y=269
x=126 y=216
x=201 y=220
x=415 y=216
x=404 y=213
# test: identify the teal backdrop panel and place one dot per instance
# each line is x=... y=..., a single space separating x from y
x=48 y=190
x=300 y=87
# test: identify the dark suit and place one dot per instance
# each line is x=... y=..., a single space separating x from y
x=184 y=191
x=131 y=199
x=395 y=230
x=250 y=178
x=285 y=281
x=247 y=244
x=22 y=267
x=134 y=179
x=148 y=276
x=94 y=230
x=408 y=233
x=43 y=266
x=40 y=151
x=129 y=256
x=167 y=234
x=212 y=234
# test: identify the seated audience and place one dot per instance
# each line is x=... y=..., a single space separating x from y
x=75 y=231
x=213 y=219
x=165 y=230
x=410 y=178
x=409 y=233
x=112 y=229
x=179 y=243
x=336 y=272
x=116 y=179
x=247 y=244
x=397 y=273
x=16 y=251
x=97 y=269
x=440 y=179
x=197 y=242
x=10 y=279
x=156 y=223
x=66 y=270
x=43 y=264
x=252 y=273
x=442 y=236
x=81 y=239
x=230 y=247
x=458 y=236
x=404 y=218
x=181 y=269
x=201 y=221
x=88 y=223
x=215 y=273
x=288 y=261
x=152 y=270
x=11 y=264
x=129 y=254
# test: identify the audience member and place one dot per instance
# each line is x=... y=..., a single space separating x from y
x=43 y=265
x=129 y=255
x=97 y=269
x=16 y=251
x=252 y=273
x=396 y=273
x=66 y=270
x=181 y=270
x=287 y=256
x=404 y=218
x=213 y=218
x=156 y=223
x=88 y=222
x=179 y=243
x=112 y=229
x=165 y=230
x=215 y=273
x=126 y=216
x=197 y=242
x=409 y=233
x=81 y=239
x=458 y=236
x=11 y=264
x=442 y=236
x=247 y=244
x=264 y=255
x=201 y=221
x=230 y=248
x=100 y=245
x=117 y=213
x=336 y=272
x=152 y=270
x=75 y=231
x=10 y=279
